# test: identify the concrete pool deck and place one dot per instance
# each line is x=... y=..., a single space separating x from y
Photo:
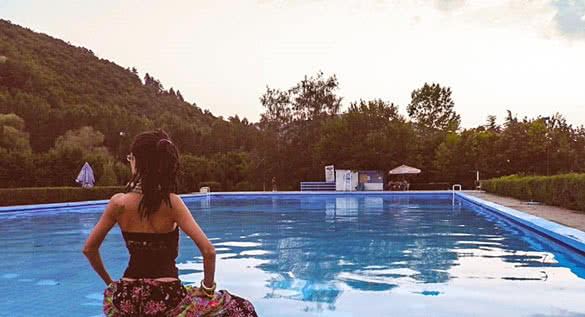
x=566 y=217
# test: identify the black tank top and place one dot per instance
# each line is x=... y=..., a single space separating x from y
x=152 y=255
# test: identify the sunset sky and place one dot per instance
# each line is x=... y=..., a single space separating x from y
x=524 y=55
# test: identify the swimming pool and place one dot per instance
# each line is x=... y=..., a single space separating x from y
x=313 y=255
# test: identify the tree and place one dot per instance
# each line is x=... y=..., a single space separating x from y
x=194 y=170
x=277 y=106
x=370 y=135
x=85 y=138
x=12 y=134
x=17 y=169
x=479 y=151
x=492 y=125
x=147 y=80
x=153 y=83
x=446 y=161
x=123 y=173
x=295 y=116
x=432 y=107
x=314 y=97
x=16 y=74
x=108 y=176
x=311 y=99
x=82 y=145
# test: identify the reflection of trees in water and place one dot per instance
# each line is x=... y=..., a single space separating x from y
x=367 y=237
x=367 y=243
x=527 y=249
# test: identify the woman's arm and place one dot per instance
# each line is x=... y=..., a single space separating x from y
x=182 y=216
x=97 y=236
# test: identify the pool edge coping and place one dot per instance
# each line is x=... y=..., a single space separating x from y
x=19 y=208
x=570 y=237
x=565 y=235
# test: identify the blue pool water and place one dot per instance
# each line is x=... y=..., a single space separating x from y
x=301 y=255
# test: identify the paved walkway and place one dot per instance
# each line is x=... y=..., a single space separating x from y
x=567 y=217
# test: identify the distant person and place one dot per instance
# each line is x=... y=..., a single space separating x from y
x=150 y=215
x=274 y=184
x=404 y=184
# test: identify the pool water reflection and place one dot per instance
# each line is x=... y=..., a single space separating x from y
x=336 y=254
x=330 y=255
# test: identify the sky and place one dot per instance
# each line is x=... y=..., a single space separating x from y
x=527 y=56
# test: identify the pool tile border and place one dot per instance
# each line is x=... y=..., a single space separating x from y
x=426 y=194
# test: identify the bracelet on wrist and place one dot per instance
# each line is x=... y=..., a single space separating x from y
x=208 y=291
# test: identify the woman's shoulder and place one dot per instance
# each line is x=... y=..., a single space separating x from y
x=119 y=199
x=177 y=203
x=175 y=199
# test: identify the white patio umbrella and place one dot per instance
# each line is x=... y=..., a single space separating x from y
x=404 y=169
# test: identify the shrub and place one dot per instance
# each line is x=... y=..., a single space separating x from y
x=567 y=190
x=46 y=195
x=284 y=187
x=430 y=186
x=244 y=186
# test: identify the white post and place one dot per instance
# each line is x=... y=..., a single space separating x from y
x=478 y=186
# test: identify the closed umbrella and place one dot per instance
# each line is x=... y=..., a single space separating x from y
x=85 y=177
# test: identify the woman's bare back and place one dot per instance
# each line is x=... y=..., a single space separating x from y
x=129 y=218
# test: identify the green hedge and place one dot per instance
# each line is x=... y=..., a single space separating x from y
x=567 y=191
x=430 y=186
x=244 y=186
x=46 y=195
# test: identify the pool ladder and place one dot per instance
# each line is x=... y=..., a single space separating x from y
x=455 y=187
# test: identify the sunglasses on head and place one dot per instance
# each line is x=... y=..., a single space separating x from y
x=130 y=157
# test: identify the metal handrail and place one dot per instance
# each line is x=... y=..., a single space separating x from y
x=453 y=190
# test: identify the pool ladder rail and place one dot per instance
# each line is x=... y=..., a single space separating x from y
x=455 y=187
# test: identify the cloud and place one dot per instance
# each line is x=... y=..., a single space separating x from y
x=415 y=20
x=564 y=18
x=561 y=313
x=449 y=5
x=570 y=17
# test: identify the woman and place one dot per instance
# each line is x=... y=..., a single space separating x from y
x=150 y=216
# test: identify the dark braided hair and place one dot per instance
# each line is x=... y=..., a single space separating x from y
x=157 y=164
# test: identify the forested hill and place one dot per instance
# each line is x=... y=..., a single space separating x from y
x=61 y=106
x=55 y=87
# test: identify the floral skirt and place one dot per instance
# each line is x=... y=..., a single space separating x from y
x=148 y=297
